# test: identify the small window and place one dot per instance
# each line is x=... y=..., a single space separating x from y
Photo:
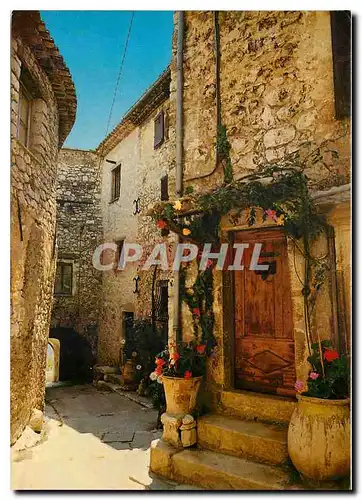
x=24 y=116
x=159 y=130
x=341 y=47
x=116 y=183
x=164 y=188
x=64 y=279
x=118 y=253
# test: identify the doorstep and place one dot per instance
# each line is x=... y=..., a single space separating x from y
x=257 y=406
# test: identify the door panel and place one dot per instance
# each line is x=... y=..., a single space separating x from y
x=264 y=345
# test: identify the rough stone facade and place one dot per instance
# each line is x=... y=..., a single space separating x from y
x=79 y=232
x=277 y=97
x=34 y=58
x=131 y=145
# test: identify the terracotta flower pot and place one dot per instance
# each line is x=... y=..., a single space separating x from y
x=129 y=371
x=319 y=438
x=181 y=394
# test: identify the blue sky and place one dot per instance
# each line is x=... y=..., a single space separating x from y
x=92 y=43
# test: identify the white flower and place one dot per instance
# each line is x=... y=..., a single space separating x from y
x=153 y=376
x=159 y=379
x=123 y=341
x=138 y=367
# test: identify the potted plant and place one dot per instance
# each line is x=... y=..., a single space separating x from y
x=319 y=432
x=180 y=368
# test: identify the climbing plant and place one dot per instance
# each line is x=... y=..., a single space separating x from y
x=282 y=192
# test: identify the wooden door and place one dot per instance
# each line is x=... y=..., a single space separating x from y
x=264 y=345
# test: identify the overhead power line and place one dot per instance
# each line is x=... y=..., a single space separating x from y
x=114 y=96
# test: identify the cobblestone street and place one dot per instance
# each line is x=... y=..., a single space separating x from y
x=93 y=440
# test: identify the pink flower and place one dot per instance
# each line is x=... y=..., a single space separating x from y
x=209 y=263
x=271 y=214
x=299 y=386
x=196 y=311
x=313 y=375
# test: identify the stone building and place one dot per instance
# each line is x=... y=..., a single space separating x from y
x=43 y=107
x=77 y=290
x=279 y=82
x=135 y=158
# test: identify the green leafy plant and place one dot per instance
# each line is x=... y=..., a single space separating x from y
x=142 y=345
x=329 y=376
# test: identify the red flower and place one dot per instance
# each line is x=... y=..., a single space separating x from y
x=331 y=355
x=160 y=362
x=200 y=349
x=158 y=370
x=209 y=263
x=161 y=224
x=196 y=311
x=174 y=357
x=188 y=374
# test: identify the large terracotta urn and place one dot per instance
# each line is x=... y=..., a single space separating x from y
x=181 y=394
x=319 y=438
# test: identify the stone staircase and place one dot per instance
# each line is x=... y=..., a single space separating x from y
x=241 y=447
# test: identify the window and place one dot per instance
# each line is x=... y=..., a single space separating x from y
x=116 y=183
x=118 y=253
x=24 y=116
x=341 y=46
x=64 y=279
x=159 y=130
x=164 y=197
x=164 y=188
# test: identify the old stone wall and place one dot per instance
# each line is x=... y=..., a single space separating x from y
x=33 y=172
x=142 y=167
x=33 y=210
x=79 y=232
x=277 y=97
x=276 y=89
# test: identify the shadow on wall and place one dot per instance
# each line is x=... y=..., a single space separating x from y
x=76 y=358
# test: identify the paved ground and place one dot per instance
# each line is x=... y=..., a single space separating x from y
x=93 y=440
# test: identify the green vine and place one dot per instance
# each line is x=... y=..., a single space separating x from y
x=223 y=147
x=282 y=192
x=199 y=299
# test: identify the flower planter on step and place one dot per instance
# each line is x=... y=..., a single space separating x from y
x=319 y=438
x=181 y=394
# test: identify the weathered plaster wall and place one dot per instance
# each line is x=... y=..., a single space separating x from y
x=142 y=167
x=33 y=172
x=79 y=232
x=277 y=97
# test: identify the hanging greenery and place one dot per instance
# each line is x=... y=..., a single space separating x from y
x=282 y=191
x=223 y=148
x=199 y=299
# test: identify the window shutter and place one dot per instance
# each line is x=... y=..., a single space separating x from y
x=341 y=47
x=164 y=188
x=159 y=130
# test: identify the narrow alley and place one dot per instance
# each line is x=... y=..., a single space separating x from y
x=98 y=440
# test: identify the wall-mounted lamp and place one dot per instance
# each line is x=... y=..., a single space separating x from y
x=136 y=280
x=137 y=204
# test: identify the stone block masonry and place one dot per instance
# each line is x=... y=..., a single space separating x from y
x=50 y=111
x=79 y=232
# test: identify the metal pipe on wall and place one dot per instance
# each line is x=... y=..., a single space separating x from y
x=179 y=160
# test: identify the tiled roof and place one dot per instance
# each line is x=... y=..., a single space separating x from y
x=29 y=26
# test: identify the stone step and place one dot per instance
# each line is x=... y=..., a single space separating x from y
x=242 y=438
x=258 y=407
x=215 y=471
